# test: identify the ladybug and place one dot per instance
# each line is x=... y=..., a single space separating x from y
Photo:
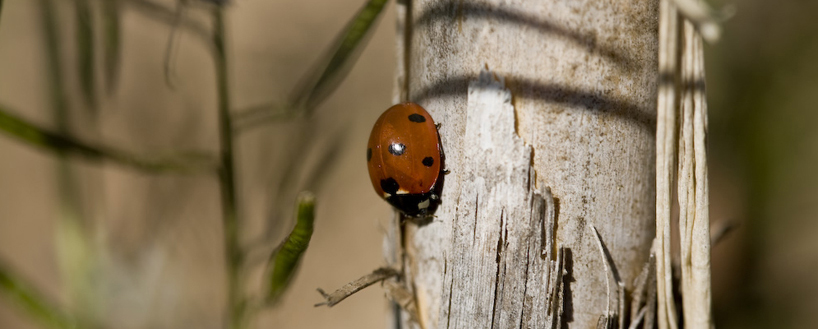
x=404 y=159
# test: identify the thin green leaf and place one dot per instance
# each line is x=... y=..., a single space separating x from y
x=18 y=292
x=285 y=259
x=346 y=53
x=85 y=51
x=331 y=68
x=61 y=144
x=112 y=27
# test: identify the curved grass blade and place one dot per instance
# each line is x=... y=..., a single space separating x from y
x=347 y=50
x=285 y=259
x=328 y=72
x=301 y=172
x=61 y=144
x=20 y=293
x=85 y=51
x=112 y=27
x=255 y=115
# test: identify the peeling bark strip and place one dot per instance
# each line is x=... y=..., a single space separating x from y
x=571 y=96
x=693 y=186
x=665 y=160
x=682 y=99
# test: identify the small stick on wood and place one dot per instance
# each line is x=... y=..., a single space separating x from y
x=351 y=288
x=614 y=314
x=642 y=286
x=638 y=319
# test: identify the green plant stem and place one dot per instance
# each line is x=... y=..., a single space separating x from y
x=64 y=145
x=20 y=293
x=86 y=57
x=233 y=253
x=58 y=97
x=112 y=27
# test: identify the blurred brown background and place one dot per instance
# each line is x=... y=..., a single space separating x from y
x=163 y=260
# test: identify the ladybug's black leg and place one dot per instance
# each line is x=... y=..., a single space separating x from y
x=443 y=161
x=438 y=125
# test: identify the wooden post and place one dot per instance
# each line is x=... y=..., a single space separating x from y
x=532 y=94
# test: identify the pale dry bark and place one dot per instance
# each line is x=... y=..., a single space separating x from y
x=665 y=161
x=682 y=103
x=694 y=203
x=566 y=101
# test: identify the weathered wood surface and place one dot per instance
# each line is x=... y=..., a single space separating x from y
x=693 y=187
x=572 y=98
x=666 y=142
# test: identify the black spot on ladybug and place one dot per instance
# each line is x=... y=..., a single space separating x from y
x=389 y=185
x=368 y=154
x=414 y=117
x=428 y=161
x=397 y=148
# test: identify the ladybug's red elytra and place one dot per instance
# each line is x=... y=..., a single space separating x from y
x=404 y=159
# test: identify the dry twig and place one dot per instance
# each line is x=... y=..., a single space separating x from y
x=351 y=288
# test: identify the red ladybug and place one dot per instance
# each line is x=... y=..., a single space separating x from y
x=404 y=159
